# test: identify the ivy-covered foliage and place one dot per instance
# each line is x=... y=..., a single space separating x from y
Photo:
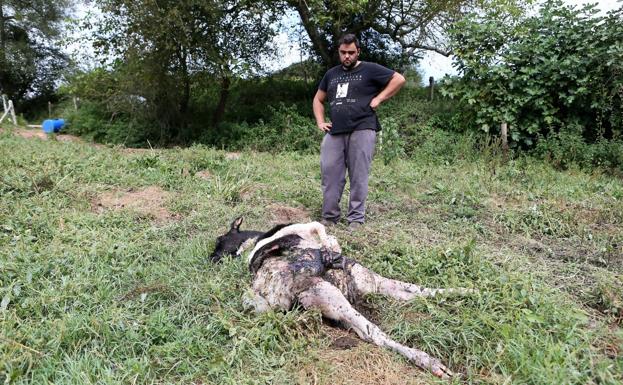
x=558 y=71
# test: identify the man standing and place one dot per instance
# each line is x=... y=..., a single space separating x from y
x=354 y=89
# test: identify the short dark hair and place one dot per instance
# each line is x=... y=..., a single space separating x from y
x=347 y=39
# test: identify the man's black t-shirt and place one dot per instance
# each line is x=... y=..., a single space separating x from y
x=349 y=94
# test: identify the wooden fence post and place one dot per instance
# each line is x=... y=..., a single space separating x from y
x=8 y=109
x=12 y=109
x=504 y=136
x=431 y=87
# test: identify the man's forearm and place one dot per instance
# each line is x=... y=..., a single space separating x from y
x=318 y=107
x=394 y=85
x=318 y=112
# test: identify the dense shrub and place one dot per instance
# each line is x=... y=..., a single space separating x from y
x=558 y=70
x=249 y=98
x=414 y=126
x=94 y=123
x=109 y=113
x=567 y=148
x=113 y=98
x=286 y=130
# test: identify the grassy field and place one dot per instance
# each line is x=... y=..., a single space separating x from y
x=104 y=277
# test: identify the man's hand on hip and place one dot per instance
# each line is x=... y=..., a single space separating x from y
x=375 y=102
x=325 y=127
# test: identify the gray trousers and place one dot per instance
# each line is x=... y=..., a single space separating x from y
x=338 y=153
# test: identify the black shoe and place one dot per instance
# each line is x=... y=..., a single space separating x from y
x=353 y=226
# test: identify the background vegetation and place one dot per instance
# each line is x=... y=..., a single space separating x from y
x=183 y=72
x=541 y=75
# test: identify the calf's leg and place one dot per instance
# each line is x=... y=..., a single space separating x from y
x=367 y=281
x=332 y=304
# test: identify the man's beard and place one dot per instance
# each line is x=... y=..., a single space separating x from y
x=350 y=66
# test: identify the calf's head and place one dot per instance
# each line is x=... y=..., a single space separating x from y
x=229 y=243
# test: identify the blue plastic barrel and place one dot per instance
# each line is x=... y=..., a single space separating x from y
x=52 y=125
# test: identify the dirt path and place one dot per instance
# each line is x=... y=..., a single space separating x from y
x=39 y=134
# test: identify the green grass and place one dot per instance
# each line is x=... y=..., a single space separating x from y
x=91 y=295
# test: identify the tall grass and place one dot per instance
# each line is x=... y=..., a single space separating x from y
x=92 y=294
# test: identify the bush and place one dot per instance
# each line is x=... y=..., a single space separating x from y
x=390 y=143
x=109 y=113
x=249 y=98
x=559 y=70
x=112 y=98
x=433 y=131
x=93 y=122
x=286 y=130
x=568 y=148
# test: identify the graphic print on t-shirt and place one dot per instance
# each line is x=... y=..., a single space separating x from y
x=342 y=90
x=349 y=94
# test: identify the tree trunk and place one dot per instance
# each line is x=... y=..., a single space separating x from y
x=184 y=102
x=2 y=26
x=185 y=98
x=178 y=125
x=504 y=136
x=3 y=64
x=222 y=102
x=320 y=45
x=431 y=89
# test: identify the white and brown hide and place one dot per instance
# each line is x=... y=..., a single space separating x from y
x=300 y=263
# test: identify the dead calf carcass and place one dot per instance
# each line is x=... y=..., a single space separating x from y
x=301 y=263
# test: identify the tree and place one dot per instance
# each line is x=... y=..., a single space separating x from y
x=30 y=60
x=167 y=46
x=398 y=25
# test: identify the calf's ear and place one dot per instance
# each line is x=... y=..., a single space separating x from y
x=235 y=225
